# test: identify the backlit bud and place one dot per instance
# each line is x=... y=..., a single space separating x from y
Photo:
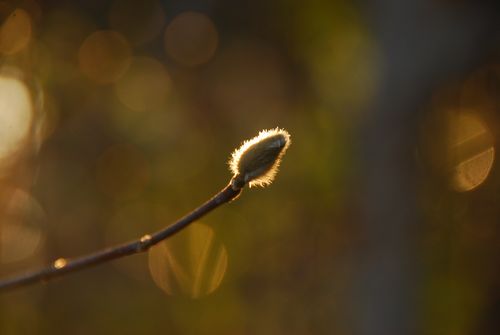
x=257 y=160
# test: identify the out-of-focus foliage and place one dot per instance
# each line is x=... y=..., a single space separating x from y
x=117 y=117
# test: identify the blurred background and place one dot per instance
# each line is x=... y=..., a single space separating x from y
x=118 y=117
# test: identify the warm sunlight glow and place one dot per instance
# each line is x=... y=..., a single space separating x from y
x=104 y=56
x=15 y=115
x=15 y=32
x=192 y=263
x=20 y=227
x=472 y=151
x=145 y=86
x=191 y=39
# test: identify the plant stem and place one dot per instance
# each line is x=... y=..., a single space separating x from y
x=59 y=269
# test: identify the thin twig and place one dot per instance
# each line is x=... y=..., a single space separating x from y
x=254 y=163
x=65 y=266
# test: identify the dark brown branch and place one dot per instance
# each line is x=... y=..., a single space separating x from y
x=58 y=269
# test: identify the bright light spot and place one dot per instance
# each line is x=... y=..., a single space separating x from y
x=104 y=56
x=145 y=238
x=139 y=22
x=471 y=150
x=15 y=32
x=60 y=263
x=191 y=39
x=472 y=172
x=15 y=115
x=20 y=227
x=145 y=85
x=192 y=263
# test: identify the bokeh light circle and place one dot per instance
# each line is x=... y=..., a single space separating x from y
x=471 y=151
x=145 y=85
x=15 y=115
x=15 y=32
x=191 y=39
x=192 y=263
x=21 y=227
x=104 y=56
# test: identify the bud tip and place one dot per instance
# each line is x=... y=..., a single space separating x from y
x=257 y=160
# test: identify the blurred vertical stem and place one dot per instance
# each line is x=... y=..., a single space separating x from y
x=419 y=51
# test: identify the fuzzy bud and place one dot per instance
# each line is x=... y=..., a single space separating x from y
x=257 y=160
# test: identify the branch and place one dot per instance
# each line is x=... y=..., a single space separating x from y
x=63 y=266
x=254 y=163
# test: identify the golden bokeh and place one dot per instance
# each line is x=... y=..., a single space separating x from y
x=122 y=172
x=192 y=263
x=191 y=39
x=104 y=56
x=15 y=32
x=145 y=86
x=15 y=115
x=20 y=227
x=139 y=22
x=471 y=151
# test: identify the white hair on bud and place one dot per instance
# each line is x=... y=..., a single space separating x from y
x=257 y=160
